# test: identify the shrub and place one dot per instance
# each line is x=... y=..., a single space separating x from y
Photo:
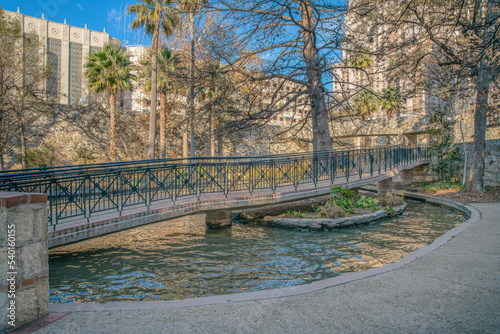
x=368 y=203
x=391 y=201
x=332 y=210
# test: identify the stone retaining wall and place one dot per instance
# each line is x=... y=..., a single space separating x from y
x=24 y=262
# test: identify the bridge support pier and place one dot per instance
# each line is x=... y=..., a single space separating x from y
x=218 y=219
x=407 y=177
x=384 y=187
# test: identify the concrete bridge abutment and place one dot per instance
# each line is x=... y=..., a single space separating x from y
x=218 y=219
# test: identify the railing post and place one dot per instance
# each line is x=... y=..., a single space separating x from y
x=295 y=169
x=198 y=181
x=148 y=187
x=333 y=168
x=360 y=164
x=250 y=179
x=379 y=161
x=226 y=181
x=348 y=162
x=371 y=163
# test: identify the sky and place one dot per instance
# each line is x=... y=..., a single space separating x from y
x=98 y=15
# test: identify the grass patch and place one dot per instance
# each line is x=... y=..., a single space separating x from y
x=438 y=187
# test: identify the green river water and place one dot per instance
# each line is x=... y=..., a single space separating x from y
x=180 y=258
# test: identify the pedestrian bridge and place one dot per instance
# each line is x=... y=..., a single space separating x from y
x=91 y=200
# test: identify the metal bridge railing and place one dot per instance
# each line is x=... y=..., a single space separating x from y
x=81 y=192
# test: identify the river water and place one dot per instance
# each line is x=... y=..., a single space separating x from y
x=180 y=259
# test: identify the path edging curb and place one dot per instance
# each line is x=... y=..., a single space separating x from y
x=472 y=212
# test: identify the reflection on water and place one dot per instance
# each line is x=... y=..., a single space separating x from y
x=180 y=258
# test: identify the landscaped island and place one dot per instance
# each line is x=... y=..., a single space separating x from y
x=343 y=208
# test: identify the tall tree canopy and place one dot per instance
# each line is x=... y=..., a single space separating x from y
x=109 y=70
x=153 y=16
x=298 y=41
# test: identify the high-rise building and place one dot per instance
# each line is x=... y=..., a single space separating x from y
x=367 y=39
x=66 y=49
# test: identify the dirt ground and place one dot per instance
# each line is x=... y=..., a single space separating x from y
x=492 y=194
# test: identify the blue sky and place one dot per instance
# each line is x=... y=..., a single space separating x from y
x=109 y=14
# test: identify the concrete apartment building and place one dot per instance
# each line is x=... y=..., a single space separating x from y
x=66 y=49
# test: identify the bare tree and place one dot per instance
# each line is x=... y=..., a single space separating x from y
x=25 y=110
x=297 y=41
x=464 y=37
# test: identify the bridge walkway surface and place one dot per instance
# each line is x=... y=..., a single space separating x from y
x=451 y=286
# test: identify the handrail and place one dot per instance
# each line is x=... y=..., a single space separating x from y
x=75 y=193
x=111 y=165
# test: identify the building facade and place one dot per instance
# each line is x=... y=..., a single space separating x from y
x=371 y=40
x=65 y=49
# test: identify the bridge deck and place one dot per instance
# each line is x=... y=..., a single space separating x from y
x=110 y=222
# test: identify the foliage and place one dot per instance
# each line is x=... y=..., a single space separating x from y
x=84 y=154
x=25 y=107
x=167 y=64
x=295 y=213
x=110 y=70
x=390 y=101
x=332 y=210
x=433 y=188
x=315 y=208
x=368 y=203
x=348 y=193
x=441 y=143
x=42 y=156
x=366 y=103
x=362 y=59
x=421 y=184
x=343 y=198
x=153 y=16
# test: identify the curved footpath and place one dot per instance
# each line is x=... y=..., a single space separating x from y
x=451 y=286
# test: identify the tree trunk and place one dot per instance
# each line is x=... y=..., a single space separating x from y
x=112 y=127
x=191 y=80
x=321 y=131
x=154 y=81
x=212 y=132
x=24 y=150
x=185 y=145
x=220 y=146
x=476 y=176
x=2 y=164
x=163 y=124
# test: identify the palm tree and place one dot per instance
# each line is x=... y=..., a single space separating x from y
x=390 y=100
x=153 y=16
x=362 y=59
x=191 y=7
x=213 y=85
x=109 y=70
x=366 y=102
x=167 y=64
